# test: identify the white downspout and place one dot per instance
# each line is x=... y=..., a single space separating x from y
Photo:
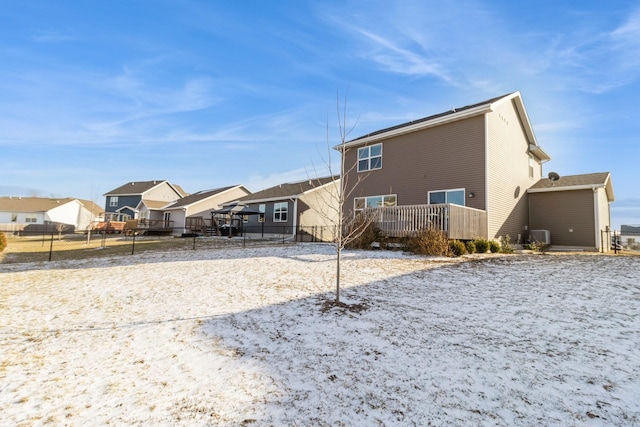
x=596 y=215
x=295 y=217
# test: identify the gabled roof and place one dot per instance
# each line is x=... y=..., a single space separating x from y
x=289 y=190
x=141 y=187
x=576 y=182
x=37 y=204
x=152 y=204
x=201 y=195
x=452 y=115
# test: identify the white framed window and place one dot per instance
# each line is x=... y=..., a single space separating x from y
x=359 y=203
x=280 y=211
x=31 y=218
x=532 y=165
x=14 y=217
x=455 y=196
x=113 y=201
x=370 y=158
x=262 y=208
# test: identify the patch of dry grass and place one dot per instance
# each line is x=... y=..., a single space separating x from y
x=78 y=247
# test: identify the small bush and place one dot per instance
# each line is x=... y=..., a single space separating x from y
x=366 y=238
x=457 y=248
x=494 y=247
x=3 y=241
x=482 y=245
x=538 y=247
x=505 y=245
x=471 y=247
x=428 y=242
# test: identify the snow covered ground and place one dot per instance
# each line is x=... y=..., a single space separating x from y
x=244 y=337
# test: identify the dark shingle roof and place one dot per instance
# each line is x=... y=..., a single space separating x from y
x=598 y=178
x=433 y=117
x=140 y=187
x=285 y=191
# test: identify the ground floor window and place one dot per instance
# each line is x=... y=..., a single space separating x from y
x=374 y=202
x=280 y=211
x=455 y=197
x=31 y=219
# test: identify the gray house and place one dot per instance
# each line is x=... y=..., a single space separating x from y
x=306 y=209
x=466 y=171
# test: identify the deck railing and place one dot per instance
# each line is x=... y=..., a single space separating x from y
x=459 y=222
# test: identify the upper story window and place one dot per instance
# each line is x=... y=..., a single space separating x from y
x=113 y=201
x=280 y=211
x=532 y=165
x=455 y=197
x=370 y=158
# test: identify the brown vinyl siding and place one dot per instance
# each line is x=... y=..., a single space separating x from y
x=508 y=173
x=437 y=158
x=562 y=211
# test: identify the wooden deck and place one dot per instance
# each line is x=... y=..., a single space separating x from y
x=459 y=222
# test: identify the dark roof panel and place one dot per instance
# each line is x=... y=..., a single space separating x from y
x=433 y=117
x=284 y=191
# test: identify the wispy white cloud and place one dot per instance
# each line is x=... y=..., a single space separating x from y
x=53 y=36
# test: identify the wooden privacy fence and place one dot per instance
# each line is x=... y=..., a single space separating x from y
x=459 y=222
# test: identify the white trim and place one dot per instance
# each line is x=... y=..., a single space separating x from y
x=565 y=188
x=596 y=216
x=287 y=212
x=295 y=216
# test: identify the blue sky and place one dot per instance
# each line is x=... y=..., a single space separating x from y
x=213 y=93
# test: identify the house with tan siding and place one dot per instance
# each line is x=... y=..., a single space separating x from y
x=574 y=209
x=192 y=214
x=467 y=171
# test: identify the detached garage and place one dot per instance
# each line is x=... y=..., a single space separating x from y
x=574 y=209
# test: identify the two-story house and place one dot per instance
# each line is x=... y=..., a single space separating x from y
x=466 y=170
x=138 y=200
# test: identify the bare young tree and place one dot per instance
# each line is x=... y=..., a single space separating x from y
x=348 y=226
x=60 y=228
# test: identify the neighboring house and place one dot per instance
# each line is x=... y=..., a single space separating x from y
x=192 y=214
x=124 y=202
x=308 y=208
x=468 y=169
x=20 y=213
x=574 y=209
x=629 y=237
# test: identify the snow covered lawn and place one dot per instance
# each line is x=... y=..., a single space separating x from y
x=244 y=337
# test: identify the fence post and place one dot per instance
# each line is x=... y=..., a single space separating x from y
x=50 y=246
x=284 y=229
x=194 y=243
x=133 y=244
